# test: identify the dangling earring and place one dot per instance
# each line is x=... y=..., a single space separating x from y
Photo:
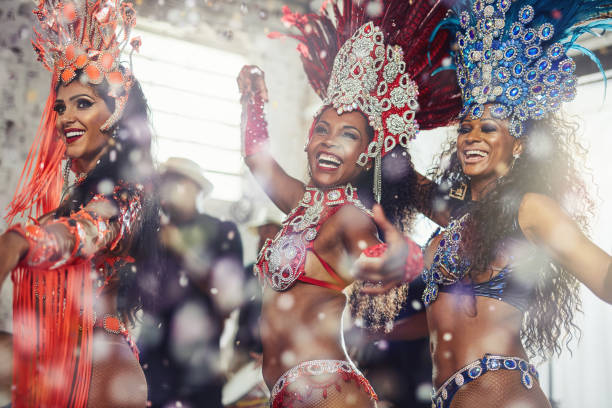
x=66 y=177
x=67 y=170
x=515 y=157
x=459 y=192
x=306 y=145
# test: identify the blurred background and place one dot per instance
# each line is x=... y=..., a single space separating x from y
x=191 y=52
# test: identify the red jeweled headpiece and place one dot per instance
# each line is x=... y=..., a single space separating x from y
x=383 y=66
x=86 y=35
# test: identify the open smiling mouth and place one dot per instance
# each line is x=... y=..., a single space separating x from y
x=328 y=162
x=72 y=135
x=475 y=156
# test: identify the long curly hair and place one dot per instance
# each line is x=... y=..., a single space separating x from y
x=130 y=161
x=548 y=165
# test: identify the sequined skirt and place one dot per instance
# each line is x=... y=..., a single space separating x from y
x=281 y=397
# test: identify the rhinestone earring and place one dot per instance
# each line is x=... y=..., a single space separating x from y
x=66 y=177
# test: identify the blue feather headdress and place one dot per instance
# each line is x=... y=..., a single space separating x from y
x=513 y=54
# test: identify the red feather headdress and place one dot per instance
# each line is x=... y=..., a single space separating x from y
x=384 y=59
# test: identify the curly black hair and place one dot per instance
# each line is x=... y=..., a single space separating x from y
x=548 y=165
x=129 y=160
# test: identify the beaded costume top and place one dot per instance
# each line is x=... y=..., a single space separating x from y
x=281 y=261
x=450 y=267
x=87 y=235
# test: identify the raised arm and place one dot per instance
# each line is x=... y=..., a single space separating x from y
x=545 y=224
x=106 y=224
x=283 y=190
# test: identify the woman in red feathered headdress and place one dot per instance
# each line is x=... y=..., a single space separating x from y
x=376 y=76
x=78 y=268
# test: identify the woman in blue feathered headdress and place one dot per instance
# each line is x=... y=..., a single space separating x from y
x=502 y=279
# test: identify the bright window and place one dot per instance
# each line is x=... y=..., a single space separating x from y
x=195 y=109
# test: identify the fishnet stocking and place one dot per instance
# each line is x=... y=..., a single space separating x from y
x=500 y=389
x=116 y=379
x=350 y=395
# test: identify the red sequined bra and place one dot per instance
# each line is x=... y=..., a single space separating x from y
x=281 y=261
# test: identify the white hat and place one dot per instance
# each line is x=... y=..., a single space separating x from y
x=264 y=216
x=189 y=169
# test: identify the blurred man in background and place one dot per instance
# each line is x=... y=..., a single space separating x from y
x=246 y=387
x=202 y=283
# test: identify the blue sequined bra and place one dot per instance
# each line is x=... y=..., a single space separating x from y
x=448 y=270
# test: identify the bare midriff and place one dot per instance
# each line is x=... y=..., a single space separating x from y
x=463 y=328
x=300 y=324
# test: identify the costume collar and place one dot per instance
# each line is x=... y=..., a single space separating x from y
x=329 y=196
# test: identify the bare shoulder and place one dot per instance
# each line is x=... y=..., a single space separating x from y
x=535 y=202
x=353 y=218
x=538 y=212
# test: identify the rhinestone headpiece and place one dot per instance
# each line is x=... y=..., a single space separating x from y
x=513 y=65
x=87 y=35
x=389 y=65
x=371 y=77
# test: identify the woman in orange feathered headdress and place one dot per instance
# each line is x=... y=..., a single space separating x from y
x=78 y=267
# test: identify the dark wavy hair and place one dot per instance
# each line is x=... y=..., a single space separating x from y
x=547 y=165
x=129 y=160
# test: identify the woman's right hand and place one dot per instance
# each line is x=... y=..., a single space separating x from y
x=251 y=83
x=399 y=264
x=12 y=248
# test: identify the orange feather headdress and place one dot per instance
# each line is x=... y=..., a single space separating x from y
x=85 y=36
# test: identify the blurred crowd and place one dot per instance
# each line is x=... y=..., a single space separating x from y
x=200 y=347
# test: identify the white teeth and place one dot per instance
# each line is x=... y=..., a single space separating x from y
x=329 y=158
x=75 y=133
x=477 y=152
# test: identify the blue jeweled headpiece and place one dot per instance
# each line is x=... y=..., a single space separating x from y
x=512 y=54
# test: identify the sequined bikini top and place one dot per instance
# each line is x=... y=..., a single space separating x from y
x=281 y=261
x=449 y=268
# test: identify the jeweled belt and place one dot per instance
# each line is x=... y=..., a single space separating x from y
x=444 y=394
